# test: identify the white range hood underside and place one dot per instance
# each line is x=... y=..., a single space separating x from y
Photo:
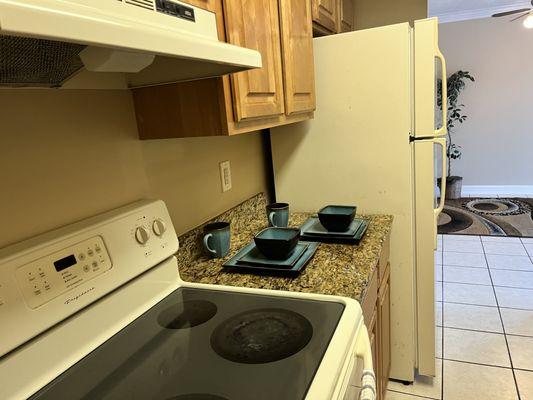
x=110 y=36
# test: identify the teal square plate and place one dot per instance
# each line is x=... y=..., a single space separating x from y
x=334 y=238
x=314 y=227
x=270 y=269
x=255 y=257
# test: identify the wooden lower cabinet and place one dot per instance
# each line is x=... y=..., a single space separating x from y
x=384 y=332
x=376 y=313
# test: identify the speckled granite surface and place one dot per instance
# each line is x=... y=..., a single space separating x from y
x=336 y=269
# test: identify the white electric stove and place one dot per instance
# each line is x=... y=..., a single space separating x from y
x=97 y=310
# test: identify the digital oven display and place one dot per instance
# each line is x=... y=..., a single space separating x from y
x=65 y=263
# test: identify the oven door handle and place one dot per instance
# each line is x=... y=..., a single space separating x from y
x=368 y=378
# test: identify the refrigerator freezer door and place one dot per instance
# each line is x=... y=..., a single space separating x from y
x=357 y=151
x=426 y=50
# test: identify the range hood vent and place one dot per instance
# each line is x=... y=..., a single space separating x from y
x=44 y=43
x=37 y=62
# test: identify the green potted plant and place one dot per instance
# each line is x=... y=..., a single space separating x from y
x=456 y=84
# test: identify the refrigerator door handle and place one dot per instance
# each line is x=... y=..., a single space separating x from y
x=443 y=131
x=442 y=142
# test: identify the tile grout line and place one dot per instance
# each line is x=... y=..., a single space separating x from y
x=477 y=363
x=486 y=284
x=485 y=305
x=503 y=325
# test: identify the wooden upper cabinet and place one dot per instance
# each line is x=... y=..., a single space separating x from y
x=325 y=15
x=297 y=50
x=279 y=93
x=205 y=4
x=346 y=16
x=255 y=25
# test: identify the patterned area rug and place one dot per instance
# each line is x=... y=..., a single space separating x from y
x=496 y=217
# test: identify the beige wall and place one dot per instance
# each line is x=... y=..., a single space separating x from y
x=497 y=138
x=67 y=155
x=372 y=13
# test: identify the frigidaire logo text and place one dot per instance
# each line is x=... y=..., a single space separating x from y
x=68 y=301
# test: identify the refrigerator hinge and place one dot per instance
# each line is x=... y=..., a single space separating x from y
x=414 y=138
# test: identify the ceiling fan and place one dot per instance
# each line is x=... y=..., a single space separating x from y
x=524 y=12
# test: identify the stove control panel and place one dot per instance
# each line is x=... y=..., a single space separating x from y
x=48 y=277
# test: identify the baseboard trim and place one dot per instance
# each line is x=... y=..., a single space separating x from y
x=497 y=190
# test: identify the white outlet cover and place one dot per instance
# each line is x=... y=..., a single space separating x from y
x=225 y=175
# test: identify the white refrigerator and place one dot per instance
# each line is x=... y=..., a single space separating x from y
x=374 y=143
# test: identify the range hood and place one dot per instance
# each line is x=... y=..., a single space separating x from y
x=47 y=42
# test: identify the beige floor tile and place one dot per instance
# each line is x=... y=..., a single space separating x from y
x=438 y=291
x=515 y=298
x=464 y=259
x=529 y=248
x=477 y=382
x=438 y=342
x=479 y=276
x=524 y=379
x=507 y=249
x=450 y=238
x=500 y=239
x=521 y=349
x=463 y=246
x=476 y=347
x=499 y=261
x=517 y=322
x=519 y=279
x=398 y=396
x=468 y=294
x=438 y=313
x=438 y=272
x=423 y=386
x=479 y=318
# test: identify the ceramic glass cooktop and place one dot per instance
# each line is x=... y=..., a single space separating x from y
x=201 y=344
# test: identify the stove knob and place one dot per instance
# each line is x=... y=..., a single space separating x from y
x=159 y=227
x=142 y=235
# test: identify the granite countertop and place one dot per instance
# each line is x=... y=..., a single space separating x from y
x=335 y=269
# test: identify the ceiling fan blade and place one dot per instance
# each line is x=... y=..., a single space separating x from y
x=504 y=14
x=520 y=16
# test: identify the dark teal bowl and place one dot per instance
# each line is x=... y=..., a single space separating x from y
x=337 y=218
x=277 y=243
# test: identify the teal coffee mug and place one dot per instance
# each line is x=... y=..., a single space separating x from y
x=278 y=215
x=217 y=239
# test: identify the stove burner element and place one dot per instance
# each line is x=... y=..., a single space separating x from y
x=261 y=336
x=188 y=314
x=197 y=396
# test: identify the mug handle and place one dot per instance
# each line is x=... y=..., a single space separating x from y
x=206 y=243
x=271 y=218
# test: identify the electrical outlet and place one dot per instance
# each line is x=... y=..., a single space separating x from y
x=225 y=175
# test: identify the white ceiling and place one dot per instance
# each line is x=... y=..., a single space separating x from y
x=461 y=10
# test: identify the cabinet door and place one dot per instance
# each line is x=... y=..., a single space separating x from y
x=297 y=50
x=346 y=16
x=384 y=320
x=325 y=14
x=374 y=335
x=255 y=24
